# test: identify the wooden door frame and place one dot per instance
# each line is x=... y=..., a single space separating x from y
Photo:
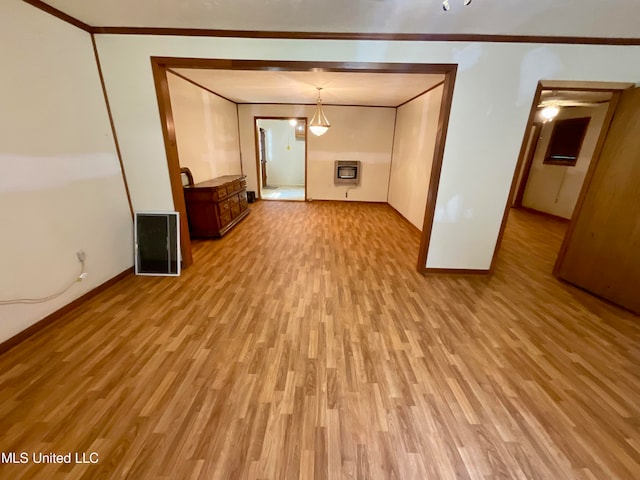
x=615 y=88
x=528 y=163
x=159 y=70
x=257 y=147
x=261 y=149
x=160 y=65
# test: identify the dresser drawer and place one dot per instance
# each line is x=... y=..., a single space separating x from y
x=223 y=207
x=225 y=219
x=235 y=186
x=222 y=192
x=235 y=210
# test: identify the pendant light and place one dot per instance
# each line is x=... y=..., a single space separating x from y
x=319 y=123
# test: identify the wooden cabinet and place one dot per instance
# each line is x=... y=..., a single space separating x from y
x=215 y=206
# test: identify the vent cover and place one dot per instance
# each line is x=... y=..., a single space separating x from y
x=157 y=243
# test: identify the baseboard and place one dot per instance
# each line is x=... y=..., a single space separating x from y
x=406 y=220
x=51 y=318
x=457 y=271
x=542 y=214
x=365 y=202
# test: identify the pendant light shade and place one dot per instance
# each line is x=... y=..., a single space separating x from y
x=319 y=123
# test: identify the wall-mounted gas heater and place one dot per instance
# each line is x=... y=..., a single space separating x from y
x=347 y=172
x=157 y=243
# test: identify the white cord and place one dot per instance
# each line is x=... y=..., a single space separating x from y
x=50 y=297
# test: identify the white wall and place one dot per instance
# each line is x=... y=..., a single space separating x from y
x=206 y=130
x=61 y=187
x=413 y=148
x=555 y=188
x=285 y=153
x=494 y=88
x=356 y=133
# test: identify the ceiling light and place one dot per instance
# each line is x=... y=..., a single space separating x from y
x=446 y=6
x=319 y=124
x=550 y=112
x=293 y=122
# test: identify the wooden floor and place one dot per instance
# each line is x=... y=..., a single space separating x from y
x=305 y=345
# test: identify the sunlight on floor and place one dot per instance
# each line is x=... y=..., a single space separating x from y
x=284 y=192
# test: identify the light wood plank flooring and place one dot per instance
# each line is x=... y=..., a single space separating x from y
x=305 y=345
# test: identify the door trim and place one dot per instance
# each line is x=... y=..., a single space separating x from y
x=257 y=148
x=161 y=64
x=615 y=88
x=173 y=162
x=536 y=130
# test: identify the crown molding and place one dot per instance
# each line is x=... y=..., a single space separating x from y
x=291 y=35
x=59 y=14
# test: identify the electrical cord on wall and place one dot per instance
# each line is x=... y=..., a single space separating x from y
x=346 y=193
x=79 y=278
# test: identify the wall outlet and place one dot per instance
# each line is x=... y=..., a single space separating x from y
x=82 y=276
x=81 y=256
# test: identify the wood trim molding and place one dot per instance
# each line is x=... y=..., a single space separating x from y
x=306 y=158
x=60 y=14
x=405 y=37
x=173 y=162
x=303 y=66
x=192 y=82
x=314 y=104
x=113 y=126
x=239 y=142
x=256 y=148
x=293 y=35
x=61 y=312
x=436 y=169
x=540 y=213
x=393 y=144
x=530 y=153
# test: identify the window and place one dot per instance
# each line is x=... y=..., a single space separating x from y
x=566 y=141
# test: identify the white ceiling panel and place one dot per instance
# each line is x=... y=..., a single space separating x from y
x=338 y=88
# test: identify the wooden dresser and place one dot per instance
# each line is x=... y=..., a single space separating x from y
x=216 y=206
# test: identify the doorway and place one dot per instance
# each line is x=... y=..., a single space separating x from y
x=161 y=65
x=281 y=158
x=597 y=252
x=559 y=149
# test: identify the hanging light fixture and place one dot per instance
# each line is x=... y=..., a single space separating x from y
x=319 y=124
x=446 y=6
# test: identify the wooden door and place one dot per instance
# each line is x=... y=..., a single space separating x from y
x=601 y=252
x=263 y=156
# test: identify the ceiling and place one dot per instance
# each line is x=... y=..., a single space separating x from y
x=595 y=18
x=567 y=98
x=339 y=88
